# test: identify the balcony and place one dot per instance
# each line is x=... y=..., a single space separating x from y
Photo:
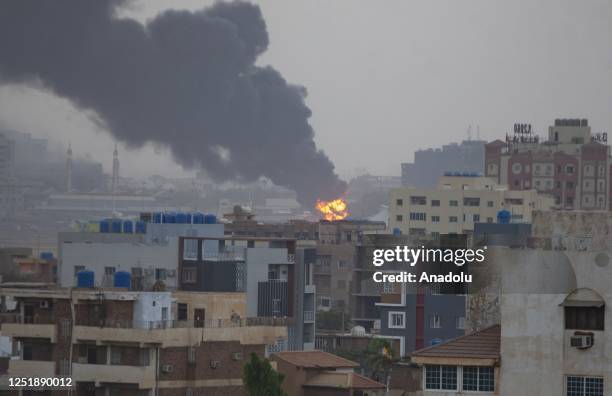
x=143 y=376
x=309 y=316
x=27 y=330
x=28 y=368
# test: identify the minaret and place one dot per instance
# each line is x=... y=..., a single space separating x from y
x=69 y=169
x=115 y=179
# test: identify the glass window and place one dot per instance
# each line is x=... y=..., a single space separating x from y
x=480 y=379
x=584 y=386
x=399 y=202
x=435 y=202
x=441 y=377
x=109 y=270
x=584 y=318
x=396 y=320
x=435 y=322
x=460 y=322
x=452 y=219
x=453 y=203
x=190 y=275
x=399 y=218
x=190 y=249
x=435 y=219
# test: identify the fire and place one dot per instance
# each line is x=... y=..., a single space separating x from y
x=333 y=210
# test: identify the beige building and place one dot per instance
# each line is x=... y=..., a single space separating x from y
x=457 y=203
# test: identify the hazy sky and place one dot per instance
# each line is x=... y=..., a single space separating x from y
x=388 y=77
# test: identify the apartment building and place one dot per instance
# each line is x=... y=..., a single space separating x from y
x=457 y=203
x=113 y=341
x=275 y=276
x=149 y=257
x=573 y=165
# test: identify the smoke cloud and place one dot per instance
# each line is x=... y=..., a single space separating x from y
x=187 y=80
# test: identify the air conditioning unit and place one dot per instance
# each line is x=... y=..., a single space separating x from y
x=44 y=304
x=214 y=364
x=237 y=356
x=167 y=368
x=171 y=273
x=581 y=341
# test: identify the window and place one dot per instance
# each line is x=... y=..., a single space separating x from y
x=160 y=274
x=476 y=218
x=479 y=379
x=399 y=202
x=190 y=249
x=435 y=219
x=389 y=287
x=418 y=200
x=489 y=219
x=452 y=219
x=441 y=377
x=115 y=355
x=435 y=202
x=342 y=264
x=584 y=386
x=399 y=218
x=453 y=202
x=569 y=169
x=418 y=216
x=109 y=270
x=190 y=275
x=460 y=322
x=397 y=320
x=471 y=201
x=434 y=322
x=490 y=204
x=276 y=306
x=182 y=311
x=584 y=318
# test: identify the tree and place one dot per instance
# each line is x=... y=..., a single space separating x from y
x=379 y=360
x=260 y=379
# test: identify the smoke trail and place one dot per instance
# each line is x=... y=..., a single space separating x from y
x=187 y=80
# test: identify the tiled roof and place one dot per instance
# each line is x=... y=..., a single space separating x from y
x=483 y=344
x=315 y=359
x=344 y=380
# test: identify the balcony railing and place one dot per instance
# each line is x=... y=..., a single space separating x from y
x=207 y=323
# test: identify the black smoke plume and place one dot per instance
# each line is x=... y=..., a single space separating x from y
x=186 y=80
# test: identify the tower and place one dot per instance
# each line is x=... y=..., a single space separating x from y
x=115 y=179
x=68 y=181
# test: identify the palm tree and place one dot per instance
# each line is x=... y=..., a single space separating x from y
x=379 y=358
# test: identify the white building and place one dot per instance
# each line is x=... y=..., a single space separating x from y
x=457 y=203
x=149 y=257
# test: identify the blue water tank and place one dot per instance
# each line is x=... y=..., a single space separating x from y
x=116 y=226
x=85 y=278
x=188 y=218
x=181 y=218
x=46 y=255
x=128 y=227
x=210 y=219
x=122 y=279
x=397 y=232
x=105 y=226
x=504 y=216
x=436 y=341
x=198 y=218
x=169 y=217
x=157 y=217
x=141 y=227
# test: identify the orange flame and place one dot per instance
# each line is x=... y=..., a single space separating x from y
x=333 y=210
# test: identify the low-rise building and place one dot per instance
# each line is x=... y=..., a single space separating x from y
x=457 y=203
x=128 y=343
x=317 y=373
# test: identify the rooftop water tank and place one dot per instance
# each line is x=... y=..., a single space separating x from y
x=198 y=218
x=397 y=232
x=169 y=217
x=358 y=331
x=128 y=227
x=105 y=226
x=141 y=227
x=157 y=217
x=85 y=279
x=210 y=219
x=116 y=226
x=504 y=216
x=122 y=279
x=181 y=218
x=46 y=255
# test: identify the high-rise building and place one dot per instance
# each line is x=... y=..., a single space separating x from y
x=115 y=177
x=429 y=164
x=574 y=166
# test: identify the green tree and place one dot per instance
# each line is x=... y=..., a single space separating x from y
x=260 y=379
x=379 y=358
